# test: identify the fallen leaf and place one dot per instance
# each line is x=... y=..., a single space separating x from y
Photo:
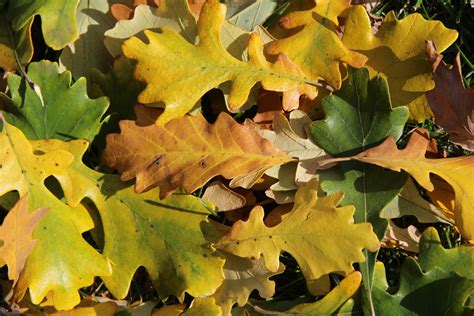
x=174 y=14
x=397 y=53
x=211 y=66
x=25 y=170
x=451 y=103
x=167 y=237
x=410 y=202
x=203 y=307
x=253 y=14
x=331 y=303
x=121 y=11
x=268 y=104
x=89 y=51
x=317 y=233
x=187 y=152
x=58 y=19
x=317 y=49
x=23 y=45
x=433 y=254
x=170 y=310
x=458 y=172
x=360 y=116
x=64 y=112
x=241 y=277
x=222 y=197
x=101 y=309
x=426 y=286
x=403 y=238
x=16 y=236
x=443 y=196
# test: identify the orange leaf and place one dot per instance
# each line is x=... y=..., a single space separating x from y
x=458 y=172
x=188 y=151
x=16 y=236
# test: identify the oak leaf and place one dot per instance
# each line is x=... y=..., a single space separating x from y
x=58 y=19
x=331 y=303
x=23 y=45
x=16 y=236
x=210 y=65
x=64 y=112
x=89 y=50
x=451 y=103
x=254 y=14
x=203 y=307
x=458 y=172
x=291 y=136
x=164 y=236
x=410 y=202
x=317 y=49
x=438 y=284
x=187 y=152
x=24 y=169
x=174 y=14
x=222 y=197
x=241 y=277
x=397 y=52
x=317 y=233
x=404 y=238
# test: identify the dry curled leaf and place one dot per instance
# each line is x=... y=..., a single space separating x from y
x=451 y=103
x=187 y=152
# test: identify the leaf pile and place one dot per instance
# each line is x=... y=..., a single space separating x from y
x=189 y=157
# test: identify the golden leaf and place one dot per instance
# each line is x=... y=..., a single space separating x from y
x=317 y=49
x=318 y=234
x=184 y=72
x=397 y=53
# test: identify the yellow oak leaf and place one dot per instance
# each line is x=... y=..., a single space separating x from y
x=167 y=237
x=318 y=234
x=16 y=236
x=330 y=304
x=187 y=152
x=458 y=172
x=24 y=170
x=179 y=73
x=397 y=53
x=317 y=49
x=101 y=309
x=203 y=307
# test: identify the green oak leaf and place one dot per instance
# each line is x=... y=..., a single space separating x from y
x=65 y=111
x=170 y=237
x=433 y=254
x=58 y=19
x=358 y=117
x=433 y=293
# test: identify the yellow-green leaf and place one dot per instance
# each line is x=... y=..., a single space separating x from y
x=167 y=237
x=333 y=300
x=24 y=169
x=317 y=49
x=23 y=45
x=397 y=53
x=317 y=233
x=15 y=236
x=187 y=152
x=179 y=73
